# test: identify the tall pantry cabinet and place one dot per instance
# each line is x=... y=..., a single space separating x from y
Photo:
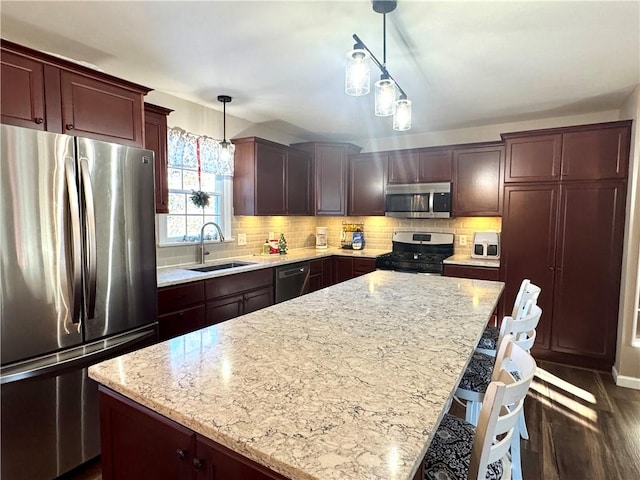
x=562 y=227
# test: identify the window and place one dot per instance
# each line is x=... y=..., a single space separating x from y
x=195 y=164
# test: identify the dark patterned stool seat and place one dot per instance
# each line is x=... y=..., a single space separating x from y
x=489 y=339
x=449 y=454
x=477 y=376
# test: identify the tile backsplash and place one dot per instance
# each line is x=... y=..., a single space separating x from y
x=300 y=232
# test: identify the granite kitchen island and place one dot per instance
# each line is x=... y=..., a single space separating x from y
x=344 y=383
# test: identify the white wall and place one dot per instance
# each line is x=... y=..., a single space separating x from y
x=627 y=366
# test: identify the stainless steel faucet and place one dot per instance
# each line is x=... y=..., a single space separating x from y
x=203 y=252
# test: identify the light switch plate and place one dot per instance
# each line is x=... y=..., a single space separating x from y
x=242 y=239
x=462 y=239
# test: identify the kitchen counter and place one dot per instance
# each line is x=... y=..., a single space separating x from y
x=181 y=274
x=467 y=261
x=344 y=383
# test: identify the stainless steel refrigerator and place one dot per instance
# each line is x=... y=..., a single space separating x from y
x=78 y=276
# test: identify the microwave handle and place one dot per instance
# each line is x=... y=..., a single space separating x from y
x=432 y=194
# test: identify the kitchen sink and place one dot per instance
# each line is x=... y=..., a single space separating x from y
x=220 y=266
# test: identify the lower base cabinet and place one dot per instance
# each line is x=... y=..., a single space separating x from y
x=346 y=268
x=140 y=444
x=321 y=274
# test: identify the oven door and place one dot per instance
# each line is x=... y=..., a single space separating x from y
x=408 y=205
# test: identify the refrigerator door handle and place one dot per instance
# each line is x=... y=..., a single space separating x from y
x=90 y=221
x=74 y=208
x=78 y=357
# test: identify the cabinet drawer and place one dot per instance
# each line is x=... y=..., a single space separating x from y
x=171 y=299
x=239 y=282
x=363 y=265
x=315 y=267
x=477 y=273
x=179 y=323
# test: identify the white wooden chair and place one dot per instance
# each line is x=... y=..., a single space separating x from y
x=460 y=451
x=489 y=341
x=483 y=369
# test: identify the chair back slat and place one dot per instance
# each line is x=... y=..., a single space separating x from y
x=503 y=401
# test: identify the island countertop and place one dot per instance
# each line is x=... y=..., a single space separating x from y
x=344 y=383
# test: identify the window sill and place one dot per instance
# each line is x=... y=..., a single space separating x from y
x=187 y=244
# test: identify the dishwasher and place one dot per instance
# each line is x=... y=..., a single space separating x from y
x=292 y=281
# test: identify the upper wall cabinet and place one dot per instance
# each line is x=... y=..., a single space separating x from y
x=155 y=139
x=590 y=152
x=46 y=93
x=271 y=179
x=367 y=180
x=420 y=166
x=330 y=174
x=477 y=181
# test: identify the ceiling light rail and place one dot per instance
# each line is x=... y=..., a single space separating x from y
x=358 y=76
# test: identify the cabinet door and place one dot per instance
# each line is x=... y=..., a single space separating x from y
x=534 y=158
x=155 y=138
x=183 y=321
x=139 y=444
x=479 y=273
x=177 y=297
x=22 y=91
x=258 y=299
x=270 y=190
x=95 y=109
x=327 y=272
x=343 y=269
x=331 y=180
x=299 y=192
x=403 y=167
x=367 y=179
x=216 y=462
x=595 y=154
x=224 y=309
x=477 y=184
x=435 y=166
x=528 y=247
x=362 y=266
x=315 y=282
x=588 y=265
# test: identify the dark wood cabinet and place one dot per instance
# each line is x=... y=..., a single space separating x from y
x=367 y=180
x=346 y=268
x=47 y=93
x=155 y=139
x=477 y=181
x=362 y=266
x=140 y=444
x=181 y=309
x=22 y=81
x=234 y=295
x=271 y=179
x=566 y=236
x=321 y=273
x=587 y=152
x=420 y=166
x=330 y=173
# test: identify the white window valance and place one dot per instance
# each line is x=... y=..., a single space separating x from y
x=198 y=152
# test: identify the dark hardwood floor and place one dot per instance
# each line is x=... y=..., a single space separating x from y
x=581 y=427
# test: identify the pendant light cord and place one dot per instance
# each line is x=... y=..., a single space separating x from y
x=384 y=39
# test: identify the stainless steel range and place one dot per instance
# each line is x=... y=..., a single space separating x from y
x=419 y=252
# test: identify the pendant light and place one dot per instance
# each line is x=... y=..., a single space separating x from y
x=227 y=149
x=357 y=77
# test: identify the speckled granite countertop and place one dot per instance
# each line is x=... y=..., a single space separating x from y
x=181 y=274
x=344 y=383
x=466 y=260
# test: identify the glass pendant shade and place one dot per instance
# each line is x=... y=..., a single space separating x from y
x=402 y=115
x=227 y=150
x=358 y=74
x=385 y=92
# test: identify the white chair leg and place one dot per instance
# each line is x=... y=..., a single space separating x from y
x=522 y=425
x=473 y=412
x=516 y=464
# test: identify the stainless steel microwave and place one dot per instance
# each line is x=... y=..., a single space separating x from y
x=418 y=200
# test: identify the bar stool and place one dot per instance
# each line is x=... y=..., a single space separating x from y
x=489 y=341
x=461 y=451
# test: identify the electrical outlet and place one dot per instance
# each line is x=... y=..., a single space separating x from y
x=242 y=239
x=462 y=239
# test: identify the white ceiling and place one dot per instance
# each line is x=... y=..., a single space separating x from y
x=461 y=63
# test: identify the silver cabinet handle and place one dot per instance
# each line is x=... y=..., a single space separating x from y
x=74 y=209
x=90 y=220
